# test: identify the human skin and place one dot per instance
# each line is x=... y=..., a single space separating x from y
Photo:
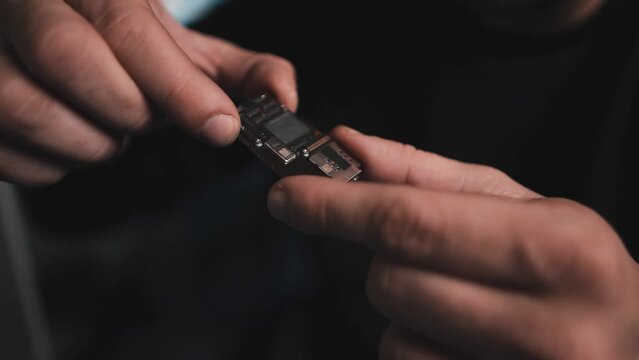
x=77 y=76
x=470 y=264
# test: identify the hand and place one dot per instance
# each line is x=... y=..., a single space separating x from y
x=470 y=264
x=76 y=74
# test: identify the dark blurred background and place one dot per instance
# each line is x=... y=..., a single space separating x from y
x=169 y=252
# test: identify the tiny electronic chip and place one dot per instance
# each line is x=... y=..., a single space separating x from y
x=290 y=145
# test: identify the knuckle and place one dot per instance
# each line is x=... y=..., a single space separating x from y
x=583 y=247
x=393 y=223
x=569 y=220
x=491 y=180
x=91 y=147
x=137 y=115
x=410 y=153
x=410 y=150
x=579 y=223
x=140 y=124
x=578 y=266
x=322 y=213
x=601 y=272
x=589 y=263
x=530 y=257
x=30 y=115
x=105 y=150
x=381 y=286
x=492 y=174
x=403 y=227
x=55 y=48
x=125 y=25
x=564 y=207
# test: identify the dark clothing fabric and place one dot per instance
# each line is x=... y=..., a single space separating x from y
x=170 y=253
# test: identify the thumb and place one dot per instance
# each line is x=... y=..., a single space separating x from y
x=393 y=162
x=243 y=72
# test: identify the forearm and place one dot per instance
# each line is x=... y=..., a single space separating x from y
x=536 y=16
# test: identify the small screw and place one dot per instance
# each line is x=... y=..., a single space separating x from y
x=259 y=143
x=306 y=153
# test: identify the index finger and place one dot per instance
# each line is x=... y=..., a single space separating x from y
x=473 y=236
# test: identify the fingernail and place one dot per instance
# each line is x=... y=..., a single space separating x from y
x=220 y=130
x=277 y=202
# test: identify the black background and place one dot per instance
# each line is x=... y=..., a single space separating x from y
x=180 y=239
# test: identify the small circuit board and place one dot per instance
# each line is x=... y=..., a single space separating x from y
x=291 y=146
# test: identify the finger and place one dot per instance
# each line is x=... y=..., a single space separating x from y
x=451 y=312
x=399 y=343
x=251 y=74
x=244 y=73
x=22 y=169
x=61 y=49
x=30 y=116
x=480 y=237
x=393 y=162
x=162 y=70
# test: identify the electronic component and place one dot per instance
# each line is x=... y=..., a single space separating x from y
x=290 y=145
